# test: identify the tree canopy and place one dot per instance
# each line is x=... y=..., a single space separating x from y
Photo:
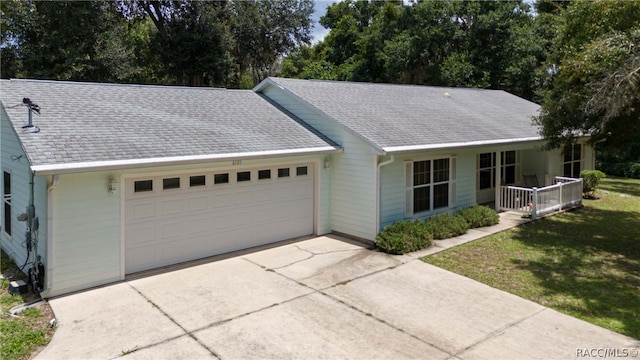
x=489 y=44
x=232 y=43
x=595 y=89
x=580 y=59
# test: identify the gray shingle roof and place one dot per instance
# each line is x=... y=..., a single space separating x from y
x=89 y=122
x=396 y=116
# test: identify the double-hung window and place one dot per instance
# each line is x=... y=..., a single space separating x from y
x=429 y=185
x=6 y=199
x=572 y=158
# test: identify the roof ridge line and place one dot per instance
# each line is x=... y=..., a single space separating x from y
x=73 y=82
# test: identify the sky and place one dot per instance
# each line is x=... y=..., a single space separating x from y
x=319 y=32
x=320 y=7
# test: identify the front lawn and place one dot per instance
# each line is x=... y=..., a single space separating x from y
x=22 y=336
x=585 y=263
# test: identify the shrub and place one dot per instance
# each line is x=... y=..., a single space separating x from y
x=404 y=236
x=633 y=171
x=613 y=168
x=622 y=169
x=590 y=180
x=445 y=226
x=479 y=216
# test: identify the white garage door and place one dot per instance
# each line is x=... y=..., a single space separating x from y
x=175 y=218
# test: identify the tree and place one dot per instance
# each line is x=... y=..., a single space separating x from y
x=490 y=44
x=65 y=40
x=226 y=43
x=264 y=31
x=190 y=42
x=193 y=47
x=596 y=90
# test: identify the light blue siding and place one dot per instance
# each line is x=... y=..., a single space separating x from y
x=533 y=161
x=14 y=161
x=86 y=232
x=392 y=184
x=466 y=180
x=352 y=173
x=555 y=161
x=589 y=161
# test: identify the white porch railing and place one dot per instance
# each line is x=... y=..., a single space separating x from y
x=565 y=193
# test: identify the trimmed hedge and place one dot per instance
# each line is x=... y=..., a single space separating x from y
x=446 y=226
x=479 y=216
x=404 y=236
x=407 y=236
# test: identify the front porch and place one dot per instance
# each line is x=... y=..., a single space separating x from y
x=529 y=180
x=566 y=192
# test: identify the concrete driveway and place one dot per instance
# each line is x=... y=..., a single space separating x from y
x=320 y=298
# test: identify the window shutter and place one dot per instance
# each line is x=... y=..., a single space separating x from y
x=582 y=158
x=408 y=198
x=452 y=183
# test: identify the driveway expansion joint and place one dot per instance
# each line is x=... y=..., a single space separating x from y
x=329 y=251
x=190 y=334
x=384 y=322
x=500 y=331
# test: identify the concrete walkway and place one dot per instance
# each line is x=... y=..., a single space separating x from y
x=325 y=297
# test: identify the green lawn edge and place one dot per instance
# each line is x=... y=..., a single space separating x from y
x=24 y=335
x=584 y=263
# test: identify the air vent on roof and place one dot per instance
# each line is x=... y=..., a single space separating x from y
x=33 y=107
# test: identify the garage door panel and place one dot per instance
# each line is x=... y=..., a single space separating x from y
x=178 y=225
x=221 y=199
x=141 y=235
x=140 y=259
x=199 y=203
x=171 y=206
x=142 y=210
x=171 y=231
x=245 y=197
x=198 y=225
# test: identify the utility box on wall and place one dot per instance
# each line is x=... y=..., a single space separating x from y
x=17 y=287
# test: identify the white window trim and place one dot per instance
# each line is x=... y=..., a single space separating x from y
x=409 y=187
x=580 y=161
x=493 y=168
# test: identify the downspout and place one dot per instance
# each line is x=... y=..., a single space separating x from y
x=379 y=191
x=498 y=181
x=49 y=245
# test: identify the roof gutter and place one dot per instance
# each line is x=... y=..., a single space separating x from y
x=174 y=160
x=401 y=149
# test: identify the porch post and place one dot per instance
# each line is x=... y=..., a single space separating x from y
x=498 y=179
x=560 y=195
x=534 y=203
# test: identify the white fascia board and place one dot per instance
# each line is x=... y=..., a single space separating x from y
x=401 y=149
x=265 y=83
x=176 y=160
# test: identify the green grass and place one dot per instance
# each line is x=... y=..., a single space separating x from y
x=585 y=263
x=21 y=336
